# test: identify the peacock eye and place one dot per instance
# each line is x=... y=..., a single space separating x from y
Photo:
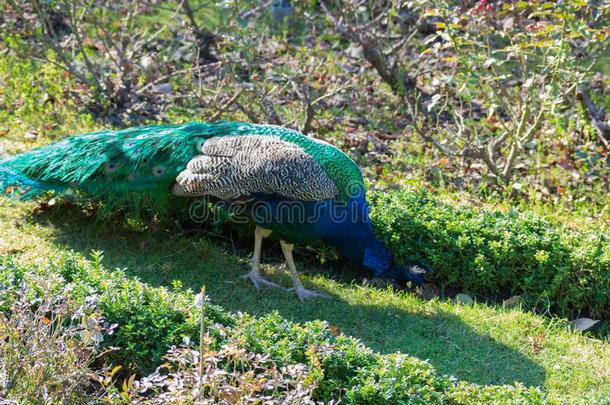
x=200 y=146
x=143 y=136
x=158 y=170
x=111 y=167
x=130 y=144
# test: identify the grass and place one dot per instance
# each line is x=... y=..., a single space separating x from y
x=478 y=343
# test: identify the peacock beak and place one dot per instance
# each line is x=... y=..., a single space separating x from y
x=419 y=268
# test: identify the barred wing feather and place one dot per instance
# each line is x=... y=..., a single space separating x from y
x=235 y=166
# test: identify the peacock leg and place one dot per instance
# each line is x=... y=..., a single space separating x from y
x=255 y=274
x=301 y=291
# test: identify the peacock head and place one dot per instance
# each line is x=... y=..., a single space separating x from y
x=413 y=273
x=382 y=263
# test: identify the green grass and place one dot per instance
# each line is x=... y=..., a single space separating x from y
x=477 y=344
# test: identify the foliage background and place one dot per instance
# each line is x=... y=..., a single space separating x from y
x=494 y=111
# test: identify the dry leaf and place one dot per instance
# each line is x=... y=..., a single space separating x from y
x=465 y=299
x=334 y=330
x=514 y=300
x=583 y=324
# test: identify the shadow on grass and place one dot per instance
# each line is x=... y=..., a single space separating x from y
x=160 y=257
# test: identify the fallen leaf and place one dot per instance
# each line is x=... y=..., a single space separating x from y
x=536 y=342
x=583 y=324
x=464 y=299
x=512 y=301
x=334 y=330
x=31 y=135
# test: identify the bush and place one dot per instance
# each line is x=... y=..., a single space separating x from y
x=47 y=344
x=321 y=365
x=150 y=320
x=494 y=253
x=341 y=368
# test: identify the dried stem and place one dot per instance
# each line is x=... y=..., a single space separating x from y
x=202 y=343
x=596 y=115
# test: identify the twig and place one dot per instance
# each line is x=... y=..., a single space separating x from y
x=596 y=115
x=79 y=42
x=225 y=107
x=201 y=338
x=251 y=116
x=400 y=82
x=139 y=45
x=255 y=10
x=310 y=112
x=165 y=77
x=204 y=39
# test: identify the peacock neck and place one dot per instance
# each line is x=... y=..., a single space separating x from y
x=356 y=239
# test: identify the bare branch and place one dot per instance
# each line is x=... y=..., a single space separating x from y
x=204 y=38
x=400 y=82
x=510 y=161
x=160 y=79
x=255 y=10
x=225 y=107
x=310 y=112
x=596 y=115
x=79 y=42
x=249 y=113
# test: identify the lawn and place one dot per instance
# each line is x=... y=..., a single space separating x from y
x=476 y=343
x=492 y=230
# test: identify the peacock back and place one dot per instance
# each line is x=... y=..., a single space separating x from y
x=130 y=167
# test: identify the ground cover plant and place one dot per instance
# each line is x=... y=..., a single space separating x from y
x=529 y=245
x=265 y=357
x=477 y=344
x=553 y=268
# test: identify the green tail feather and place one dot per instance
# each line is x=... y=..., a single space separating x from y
x=122 y=168
x=137 y=166
x=17 y=185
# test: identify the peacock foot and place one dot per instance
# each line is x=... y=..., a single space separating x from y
x=255 y=276
x=305 y=294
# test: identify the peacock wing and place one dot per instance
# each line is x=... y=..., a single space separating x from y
x=234 y=166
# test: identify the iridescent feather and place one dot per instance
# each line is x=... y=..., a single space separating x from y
x=138 y=166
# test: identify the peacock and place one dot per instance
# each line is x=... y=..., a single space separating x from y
x=295 y=187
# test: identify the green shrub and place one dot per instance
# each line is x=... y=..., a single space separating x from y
x=341 y=368
x=152 y=320
x=149 y=320
x=46 y=345
x=464 y=393
x=495 y=253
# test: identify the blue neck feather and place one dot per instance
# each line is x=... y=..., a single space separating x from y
x=356 y=239
x=345 y=225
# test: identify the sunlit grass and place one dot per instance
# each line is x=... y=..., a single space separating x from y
x=478 y=343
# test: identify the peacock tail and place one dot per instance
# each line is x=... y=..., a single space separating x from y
x=151 y=167
x=136 y=166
